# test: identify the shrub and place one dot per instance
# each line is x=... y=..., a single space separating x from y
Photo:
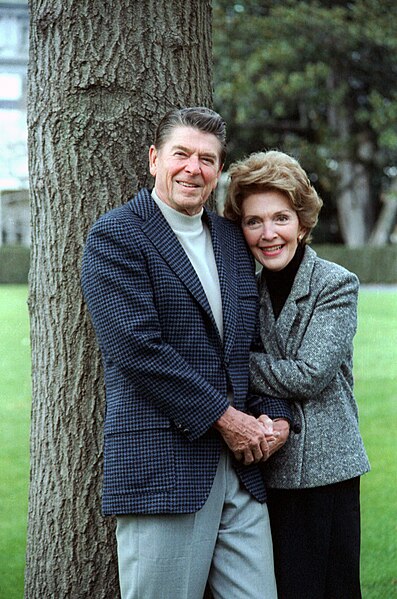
x=371 y=264
x=14 y=264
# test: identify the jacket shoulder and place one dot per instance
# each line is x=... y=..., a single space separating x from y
x=126 y=218
x=227 y=228
x=325 y=270
x=331 y=271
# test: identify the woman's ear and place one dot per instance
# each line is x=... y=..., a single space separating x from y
x=301 y=234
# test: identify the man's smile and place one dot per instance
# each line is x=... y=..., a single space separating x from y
x=185 y=184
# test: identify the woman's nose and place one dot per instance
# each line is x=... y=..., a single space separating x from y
x=267 y=231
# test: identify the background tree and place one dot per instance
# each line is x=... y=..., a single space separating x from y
x=317 y=79
x=101 y=75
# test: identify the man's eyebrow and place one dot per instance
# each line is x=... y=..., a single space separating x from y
x=188 y=150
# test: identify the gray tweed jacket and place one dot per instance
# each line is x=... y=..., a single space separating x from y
x=308 y=359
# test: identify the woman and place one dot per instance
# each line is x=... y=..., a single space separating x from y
x=307 y=323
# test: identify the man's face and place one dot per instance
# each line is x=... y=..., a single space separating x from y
x=186 y=168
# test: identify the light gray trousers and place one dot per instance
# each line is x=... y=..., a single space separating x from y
x=227 y=542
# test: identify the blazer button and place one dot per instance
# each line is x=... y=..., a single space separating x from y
x=182 y=428
x=297 y=428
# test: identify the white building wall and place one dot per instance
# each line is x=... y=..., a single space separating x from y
x=14 y=50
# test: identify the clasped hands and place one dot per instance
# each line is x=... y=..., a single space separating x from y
x=251 y=439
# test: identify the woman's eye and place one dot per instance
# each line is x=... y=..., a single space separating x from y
x=252 y=223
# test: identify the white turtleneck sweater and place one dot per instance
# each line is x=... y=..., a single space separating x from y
x=195 y=238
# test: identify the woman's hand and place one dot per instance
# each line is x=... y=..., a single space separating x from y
x=281 y=428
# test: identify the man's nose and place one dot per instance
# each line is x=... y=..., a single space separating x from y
x=193 y=165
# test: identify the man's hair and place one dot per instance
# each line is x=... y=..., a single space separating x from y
x=198 y=117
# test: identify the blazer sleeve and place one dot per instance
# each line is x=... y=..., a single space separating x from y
x=271 y=406
x=325 y=344
x=119 y=294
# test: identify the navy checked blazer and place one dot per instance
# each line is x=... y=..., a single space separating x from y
x=167 y=372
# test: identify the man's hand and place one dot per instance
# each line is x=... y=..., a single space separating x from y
x=246 y=436
x=281 y=428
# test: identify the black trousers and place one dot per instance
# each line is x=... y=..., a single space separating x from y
x=316 y=540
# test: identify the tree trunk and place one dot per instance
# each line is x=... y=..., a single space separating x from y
x=354 y=203
x=387 y=217
x=101 y=76
x=353 y=194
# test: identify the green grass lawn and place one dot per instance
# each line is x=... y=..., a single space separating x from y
x=14 y=437
x=376 y=391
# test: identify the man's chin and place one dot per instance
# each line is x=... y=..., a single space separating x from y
x=190 y=204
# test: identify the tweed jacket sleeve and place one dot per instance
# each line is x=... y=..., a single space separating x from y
x=313 y=336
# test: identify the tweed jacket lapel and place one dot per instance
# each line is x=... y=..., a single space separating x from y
x=267 y=320
x=277 y=332
x=166 y=243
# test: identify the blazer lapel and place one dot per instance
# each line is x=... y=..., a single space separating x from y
x=225 y=257
x=166 y=243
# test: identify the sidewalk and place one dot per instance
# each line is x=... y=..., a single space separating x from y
x=379 y=287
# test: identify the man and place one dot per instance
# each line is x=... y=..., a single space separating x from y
x=171 y=290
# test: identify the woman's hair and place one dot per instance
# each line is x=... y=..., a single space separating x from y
x=198 y=117
x=273 y=171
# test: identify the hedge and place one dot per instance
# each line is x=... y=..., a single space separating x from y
x=371 y=264
x=14 y=264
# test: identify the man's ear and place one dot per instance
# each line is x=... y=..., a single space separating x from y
x=153 y=160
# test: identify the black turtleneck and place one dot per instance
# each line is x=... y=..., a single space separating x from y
x=279 y=283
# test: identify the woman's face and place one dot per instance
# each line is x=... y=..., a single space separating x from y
x=271 y=228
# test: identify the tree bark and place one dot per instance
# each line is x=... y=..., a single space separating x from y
x=354 y=203
x=101 y=75
x=387 y=217
x=353 y=193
